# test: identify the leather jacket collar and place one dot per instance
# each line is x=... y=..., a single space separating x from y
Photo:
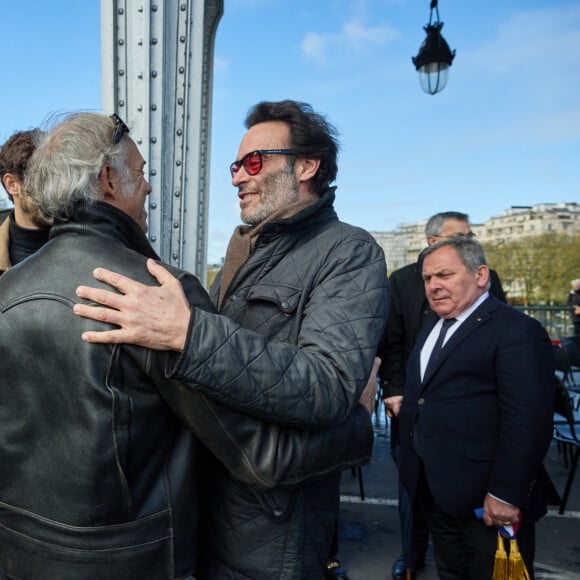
x=103 y=219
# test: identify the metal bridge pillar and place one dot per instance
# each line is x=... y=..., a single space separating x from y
x=157 y=74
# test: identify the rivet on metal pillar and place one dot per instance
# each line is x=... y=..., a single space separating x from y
x=164 y=94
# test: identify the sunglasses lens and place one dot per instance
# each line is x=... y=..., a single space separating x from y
x=252 y=163
x=120 y=130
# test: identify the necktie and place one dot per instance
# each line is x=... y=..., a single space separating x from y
x=447 y=323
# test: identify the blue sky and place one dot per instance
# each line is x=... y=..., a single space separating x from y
x=505 y=131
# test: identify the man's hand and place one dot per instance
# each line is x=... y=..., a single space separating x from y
x=155 y=317
x=393 y=405
x=499 y=513
x=369 y=395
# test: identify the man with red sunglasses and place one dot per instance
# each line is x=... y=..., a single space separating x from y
x=302 y=301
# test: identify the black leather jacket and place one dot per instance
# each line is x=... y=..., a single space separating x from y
x=304 y=315
x=98 y=477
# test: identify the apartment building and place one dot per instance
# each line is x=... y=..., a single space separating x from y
x=403 y=245
x=525 y=221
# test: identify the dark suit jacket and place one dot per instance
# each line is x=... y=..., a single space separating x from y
x=409 y=311
x=482 y=420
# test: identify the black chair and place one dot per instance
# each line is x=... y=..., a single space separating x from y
x=357 y=471
x=566 y=438
x=567 y=361
x=561 y=361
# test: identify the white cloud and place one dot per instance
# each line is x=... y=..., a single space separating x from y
x=352 y=41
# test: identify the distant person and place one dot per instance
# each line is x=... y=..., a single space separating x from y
x=573 y=302
x=409 y=311
x=303 y=301
x=100 y=469
x=476 y=417
x=25 y=229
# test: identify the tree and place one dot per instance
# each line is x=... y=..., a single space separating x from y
x=537 y=269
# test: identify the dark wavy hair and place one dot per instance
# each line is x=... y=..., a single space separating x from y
x=310 y=133
x=16 y=152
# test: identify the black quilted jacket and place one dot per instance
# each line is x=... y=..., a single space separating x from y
x=303 y=318
x=98 y=478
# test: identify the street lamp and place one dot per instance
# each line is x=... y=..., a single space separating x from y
x=435 y=56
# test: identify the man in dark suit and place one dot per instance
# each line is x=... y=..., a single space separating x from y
x=475 y=424
x=409 y=311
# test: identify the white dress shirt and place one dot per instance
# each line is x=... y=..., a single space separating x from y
x=432 y=338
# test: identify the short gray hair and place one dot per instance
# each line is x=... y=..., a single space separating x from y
x=66 y=165
x=435 y=223
x=469 y=251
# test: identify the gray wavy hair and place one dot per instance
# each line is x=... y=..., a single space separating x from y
x=66 y=165
x=469 y=251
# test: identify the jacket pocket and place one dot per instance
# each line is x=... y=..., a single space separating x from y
x=285 y=298
x=272 y=310
x=36 y=547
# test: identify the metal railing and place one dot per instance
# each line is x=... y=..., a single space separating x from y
x=555 y=319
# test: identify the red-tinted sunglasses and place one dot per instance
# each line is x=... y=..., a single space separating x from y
x=252 y=162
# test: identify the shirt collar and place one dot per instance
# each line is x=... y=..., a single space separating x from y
x=466 y=313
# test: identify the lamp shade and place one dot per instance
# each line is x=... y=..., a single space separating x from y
x=434 y=59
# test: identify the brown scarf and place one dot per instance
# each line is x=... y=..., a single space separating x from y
x=244 y=238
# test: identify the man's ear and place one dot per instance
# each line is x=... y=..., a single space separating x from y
x=482 y=276
x=108 y=184
x=306 y=168
x=12 y=184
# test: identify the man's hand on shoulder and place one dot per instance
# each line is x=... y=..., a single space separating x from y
x=155 y=317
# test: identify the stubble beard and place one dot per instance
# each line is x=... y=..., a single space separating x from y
x=33 y=215
x=277 y=191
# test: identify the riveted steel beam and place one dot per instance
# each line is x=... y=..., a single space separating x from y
x=157 y=74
